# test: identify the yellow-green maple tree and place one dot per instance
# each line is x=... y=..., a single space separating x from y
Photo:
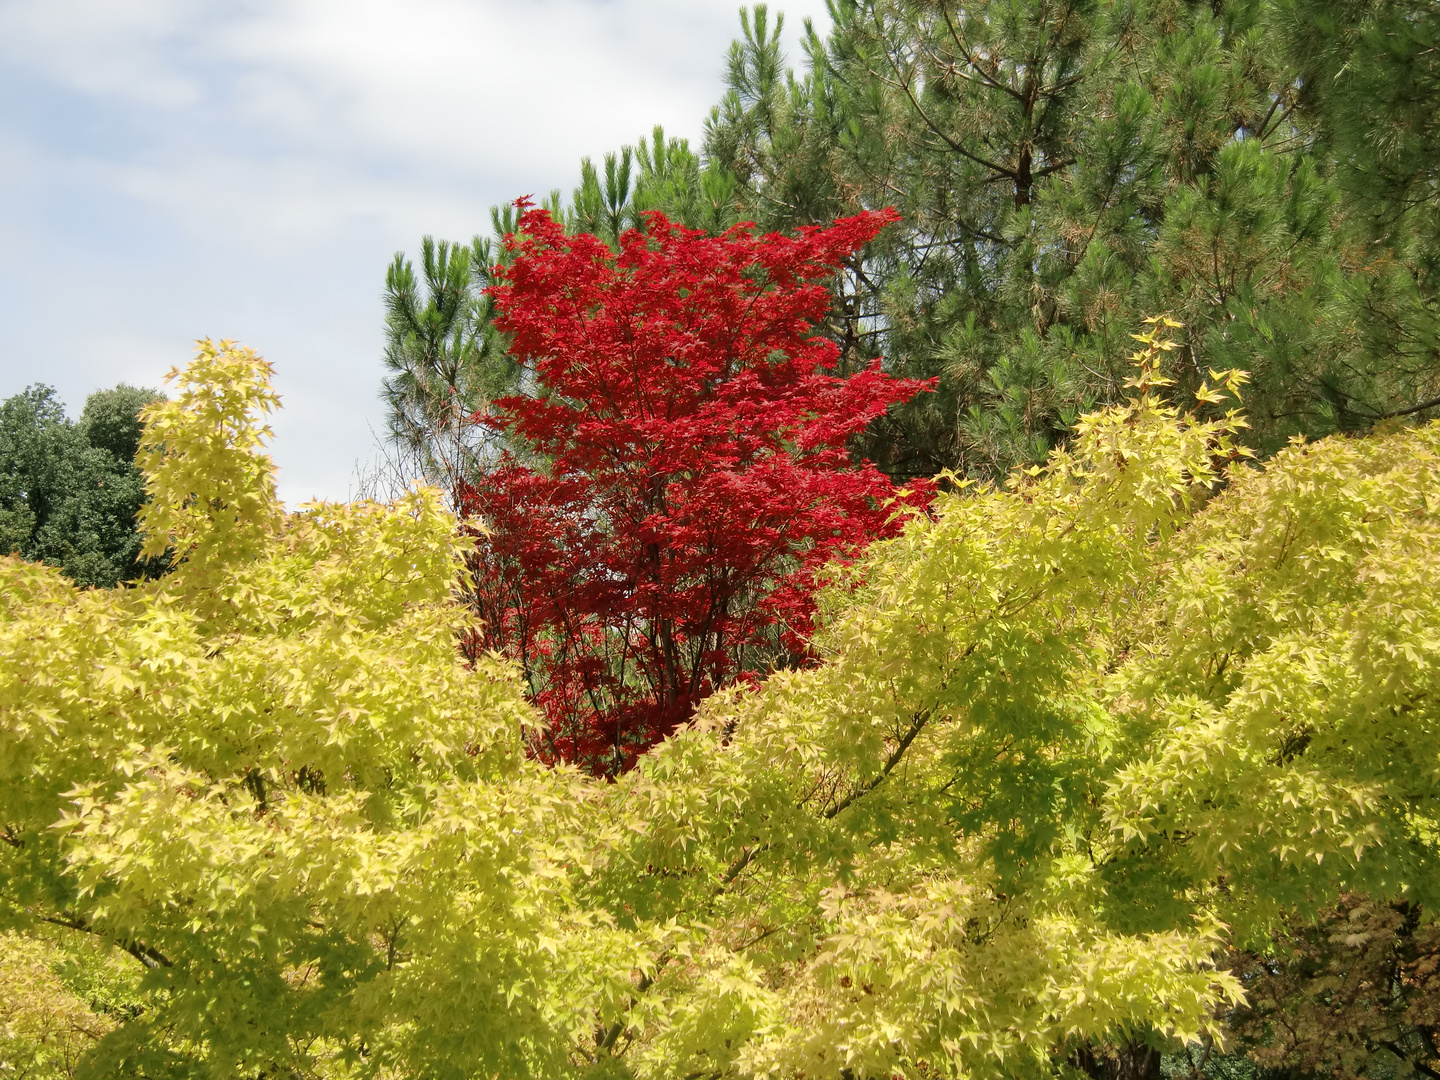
x=1064 y=733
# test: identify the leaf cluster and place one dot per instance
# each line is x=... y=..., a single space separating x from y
x=70 y=492
x=684 y=470
x=1069 y=735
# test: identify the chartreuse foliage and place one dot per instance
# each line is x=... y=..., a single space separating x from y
x=1062 y=733
x=271 y=780
x=1289 y=671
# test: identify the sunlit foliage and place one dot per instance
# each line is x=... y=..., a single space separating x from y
x=1065 y=735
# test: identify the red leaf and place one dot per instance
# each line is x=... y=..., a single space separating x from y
x=695 y=470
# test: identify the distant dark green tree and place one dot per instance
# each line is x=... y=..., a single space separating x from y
x=69 y=492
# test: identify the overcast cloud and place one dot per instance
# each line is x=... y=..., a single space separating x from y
x=175 y=169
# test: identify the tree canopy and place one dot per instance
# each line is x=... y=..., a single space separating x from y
x=1064 y=732
x=1262 y=169
x=70 y=492
x=1253 y=167
x=679 y=476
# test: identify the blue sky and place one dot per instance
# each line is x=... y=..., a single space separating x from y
x=175 y=169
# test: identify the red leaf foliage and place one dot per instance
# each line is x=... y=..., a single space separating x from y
x=688 y=475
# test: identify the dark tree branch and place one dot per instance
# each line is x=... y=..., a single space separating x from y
x=916 y=726
x=150 y=957
x=1373 y=414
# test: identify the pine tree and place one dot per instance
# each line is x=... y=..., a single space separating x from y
x=1369 y=79
x=1065 y=168
x=446 y=359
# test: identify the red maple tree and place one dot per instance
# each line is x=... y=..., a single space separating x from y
x=686 y=472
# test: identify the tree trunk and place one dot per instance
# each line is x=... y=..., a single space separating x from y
x=1128 y=1061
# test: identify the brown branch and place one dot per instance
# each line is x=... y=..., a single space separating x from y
x=987 y=76
x=1367 y=414
x=1040 y=174
x=916 y=726
x=614 y=1031
x=150 y=957
x=738 y=866
x=1430 y=404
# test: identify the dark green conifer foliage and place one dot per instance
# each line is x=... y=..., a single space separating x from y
x=1060 y=170
x=1368 y=77
x=1264 y=170
x=445 y=358
x=1066 y=168
x=69 y=492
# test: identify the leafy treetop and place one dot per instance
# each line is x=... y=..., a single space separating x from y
x=1062 y=732
x=70 y=492
x=685 y=469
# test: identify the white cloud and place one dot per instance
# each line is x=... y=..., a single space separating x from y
x=178 y=168
x=100 y=47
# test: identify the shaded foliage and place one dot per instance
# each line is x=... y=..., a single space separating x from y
x=1354 y=994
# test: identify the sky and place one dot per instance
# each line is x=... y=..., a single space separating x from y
x=246 y=169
